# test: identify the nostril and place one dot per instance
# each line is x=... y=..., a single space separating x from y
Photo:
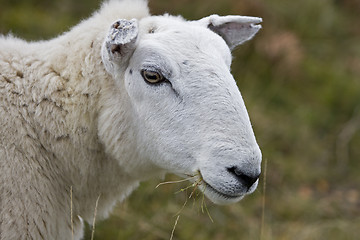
x=246 y=179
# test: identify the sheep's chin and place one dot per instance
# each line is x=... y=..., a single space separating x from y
x=217 y=197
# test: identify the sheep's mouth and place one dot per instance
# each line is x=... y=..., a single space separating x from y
x=215 y=195
x=221 y=194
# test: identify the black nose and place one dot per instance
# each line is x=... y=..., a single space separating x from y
x=246 y=179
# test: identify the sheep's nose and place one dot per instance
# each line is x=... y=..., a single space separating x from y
x=246 y=179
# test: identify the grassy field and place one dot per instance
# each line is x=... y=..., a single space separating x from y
x=300 y=78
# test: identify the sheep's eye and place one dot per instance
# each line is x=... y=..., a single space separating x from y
x=152 y=76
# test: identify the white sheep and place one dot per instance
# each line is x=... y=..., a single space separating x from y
x=114 y=102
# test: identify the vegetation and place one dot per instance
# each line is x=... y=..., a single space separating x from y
x=300 y=78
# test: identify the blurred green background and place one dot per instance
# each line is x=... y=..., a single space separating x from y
x=300 y=78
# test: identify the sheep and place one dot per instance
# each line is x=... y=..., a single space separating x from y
x=120 y=98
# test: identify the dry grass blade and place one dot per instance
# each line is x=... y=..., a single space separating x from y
x=203 y=204
x=71 y=213
x=93 y=225
x=173 y=230
x=178 y=181
x=195 y=185
x=183 y=206
x=263 y=203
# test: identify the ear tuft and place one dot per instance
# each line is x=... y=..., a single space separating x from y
x=233 y=29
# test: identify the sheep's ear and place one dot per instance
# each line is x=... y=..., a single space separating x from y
x=233 y=29
x=120 y=41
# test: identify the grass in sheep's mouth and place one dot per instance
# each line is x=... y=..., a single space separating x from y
x=191 y=177
x=197 y=181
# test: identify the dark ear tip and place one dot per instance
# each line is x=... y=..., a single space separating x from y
x=115 y=48
x=116 y=25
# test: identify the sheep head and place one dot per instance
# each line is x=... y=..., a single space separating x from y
x=187 y=113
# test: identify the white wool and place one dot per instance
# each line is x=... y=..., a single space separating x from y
x=75 y=113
